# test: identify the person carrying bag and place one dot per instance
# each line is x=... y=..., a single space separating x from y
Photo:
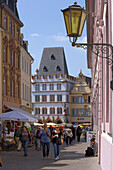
x=57 y=141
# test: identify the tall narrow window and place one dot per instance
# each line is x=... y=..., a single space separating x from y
x=59 y=98
x=5 y=53
x=44 y=87
x=17 y=86
x=58 y=86
x=17 y=62
x=17 y=33
x=44 y=110
x=37 y=98
x=51 y=87
x=5 y=85
x=52 y=110
x=52 y=98
x=10 y=84
x=12 y=88
x=37 y=87
x=23 y=90
x=27 y=67
x=59 y=110
x=10 y=27
x=37 y=111
x=12 y=58
x=44 y=98
x=22 y=62
x=5 y=22
x=10 y=53
x=13 y=29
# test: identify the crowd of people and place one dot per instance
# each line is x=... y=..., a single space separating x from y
x=43 y=136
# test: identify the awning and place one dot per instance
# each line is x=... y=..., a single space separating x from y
x=15 y=116
x=22 y=111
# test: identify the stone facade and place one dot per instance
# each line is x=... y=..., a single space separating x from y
x=80 y=109
x=11 y=60
x=1 y=30
x=26 y=61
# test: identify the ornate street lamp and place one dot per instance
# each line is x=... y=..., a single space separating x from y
x=75 y=17
x=85 y=96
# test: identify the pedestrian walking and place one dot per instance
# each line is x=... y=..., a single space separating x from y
x=38 y=138
x=16 y=137
x=73 y=132
x=79 y=132
x=25 y=139
x=45 y=140
x=69 y=136
x=57 y=139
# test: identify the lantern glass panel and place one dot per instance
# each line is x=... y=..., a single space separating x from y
x=75 y=15
x=67 y=21
x=83 y=18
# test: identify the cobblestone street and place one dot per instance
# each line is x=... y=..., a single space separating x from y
x=71 y=157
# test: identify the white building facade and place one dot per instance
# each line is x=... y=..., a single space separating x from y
x=50 y=97
x=51 y=86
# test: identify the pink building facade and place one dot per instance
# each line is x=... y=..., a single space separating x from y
x=99 y=30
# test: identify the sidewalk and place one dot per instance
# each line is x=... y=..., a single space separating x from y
x=71 y=158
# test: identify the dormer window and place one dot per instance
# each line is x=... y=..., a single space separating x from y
x=52 y=57
x=45 y=69
x=58 y=68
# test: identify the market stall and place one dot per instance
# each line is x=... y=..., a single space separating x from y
x=7 y=138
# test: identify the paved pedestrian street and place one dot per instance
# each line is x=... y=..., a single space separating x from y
x=71 y=158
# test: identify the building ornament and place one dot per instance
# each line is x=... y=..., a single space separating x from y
x=5 y=41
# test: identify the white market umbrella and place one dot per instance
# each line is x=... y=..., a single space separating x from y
x=15 y=116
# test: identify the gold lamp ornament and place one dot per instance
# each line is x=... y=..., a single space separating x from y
x=85 y=106
x=85 y=96
x=74 y=17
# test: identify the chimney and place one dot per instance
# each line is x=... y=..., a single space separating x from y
x=22 y=37
x=26 y=42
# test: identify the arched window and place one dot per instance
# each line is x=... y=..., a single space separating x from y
x=52 y=57
x=52 y=110
x=59 y=110
x=44 y=87
x=44 y=110
x=51 y=87
x=58 y=68
x=45 y=69
x=5 y=86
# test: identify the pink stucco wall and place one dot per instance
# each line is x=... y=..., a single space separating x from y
x=106 y=152
x=101 y=99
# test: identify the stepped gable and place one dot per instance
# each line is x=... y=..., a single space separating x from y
x=53 y=62
x=11 y=5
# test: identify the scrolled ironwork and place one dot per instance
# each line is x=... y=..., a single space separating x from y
x=101 y=50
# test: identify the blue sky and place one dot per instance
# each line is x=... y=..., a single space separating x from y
x=44 y=27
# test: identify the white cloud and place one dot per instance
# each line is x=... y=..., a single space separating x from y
x=59 y=38
x=35 y=35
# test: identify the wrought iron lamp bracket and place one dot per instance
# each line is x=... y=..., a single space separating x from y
x=99 y=49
